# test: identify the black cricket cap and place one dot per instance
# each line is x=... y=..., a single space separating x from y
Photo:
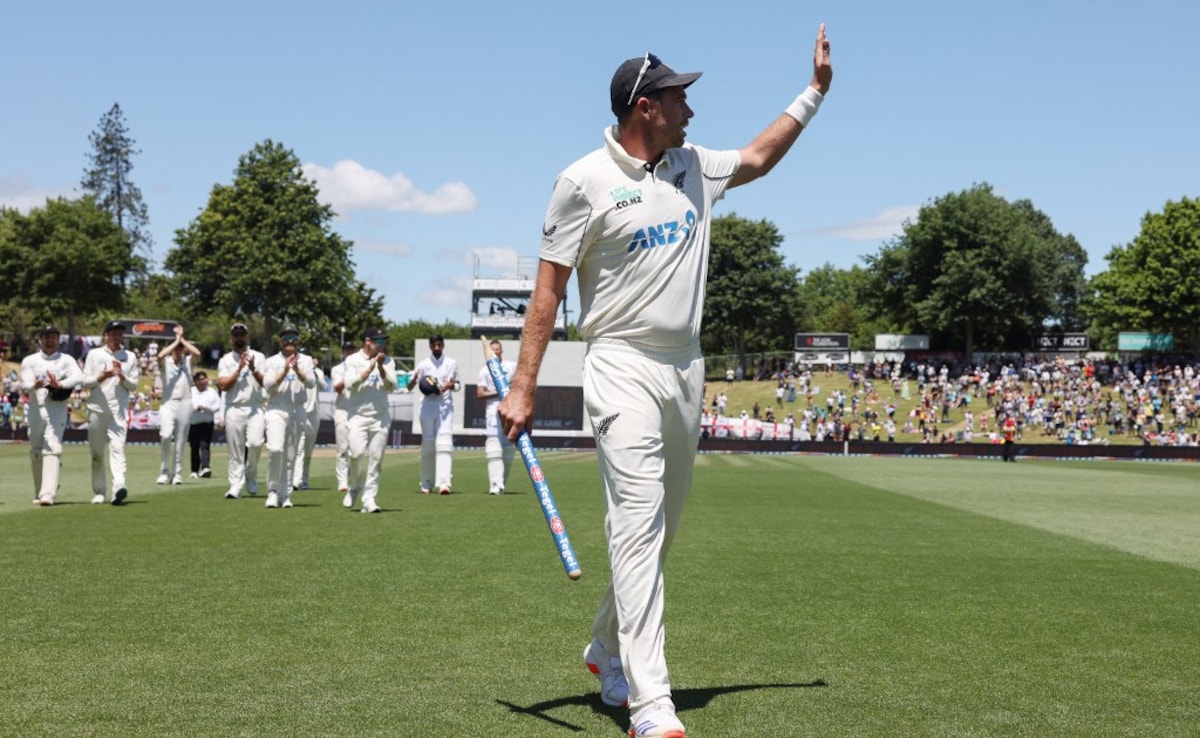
x=114 y=325
x=239 y=328
x=658 y=76
x=48 y=329
x=373 y=333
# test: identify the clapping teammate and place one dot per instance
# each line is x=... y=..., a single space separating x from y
x=287 y=377
x=110 y=374
x=175 y=411
x=370 y=375
x=48 y=378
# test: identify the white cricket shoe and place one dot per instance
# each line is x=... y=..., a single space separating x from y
x=656 y=720
x=614 y=690
x=287 y=501
x=193 y=475
x=162 y=479
x=348 y=500
x=371 y=507
x=206 y=472
x=272 y=499
x=232 y=494
x=176 y=480
x=98 y=499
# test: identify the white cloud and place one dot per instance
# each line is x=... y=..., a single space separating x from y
x=450 y=292
x=16 y=191
x=884 y=224
x=349 y=186
x=493 y=260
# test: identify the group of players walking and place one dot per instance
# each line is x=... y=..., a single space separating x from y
x=269 y=402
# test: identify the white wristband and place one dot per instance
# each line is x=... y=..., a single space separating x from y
x=805 y=106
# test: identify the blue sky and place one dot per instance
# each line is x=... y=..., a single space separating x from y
x=436 y=129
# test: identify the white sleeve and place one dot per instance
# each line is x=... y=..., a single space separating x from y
x=566 y=225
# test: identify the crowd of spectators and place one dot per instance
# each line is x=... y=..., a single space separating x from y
x=1071 y=400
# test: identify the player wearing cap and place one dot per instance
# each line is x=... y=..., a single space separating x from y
x=175 y=411
x=341 y=422
x=48 y=377
x=369 y=376
x=632 y=220
x=310 y=423
x=497 y=449
x=240 y=378
x=110 y=374
x=437 y=416
x=287 y=376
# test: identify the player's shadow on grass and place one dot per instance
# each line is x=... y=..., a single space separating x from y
x=685 y=699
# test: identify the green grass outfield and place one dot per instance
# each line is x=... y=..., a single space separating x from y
x=807 y=596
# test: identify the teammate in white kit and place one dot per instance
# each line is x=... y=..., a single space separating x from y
x=632 y=218
x=240 y=378
x=110 y=374
x=341 y=420
x=370 y=376
x=309 y=425
x=437 y=417
x=175 y=411
x=287 y=376
x=497 y=449
x=48 y=377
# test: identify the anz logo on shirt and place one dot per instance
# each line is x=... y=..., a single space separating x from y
x=663 y=234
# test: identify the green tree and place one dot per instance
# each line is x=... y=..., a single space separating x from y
x=68 y=260
x=977 y=271
x=839 y=301
x=753 y=296
x=264 y=246
x=107 y=179
x=1153 y=283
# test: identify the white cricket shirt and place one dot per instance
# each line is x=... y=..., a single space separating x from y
x=638 y=239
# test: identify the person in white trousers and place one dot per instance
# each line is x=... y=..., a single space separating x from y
x=240 y=379
x=341 y=419
x=437 y=417
x=110 y=374
x=175 y=411
x=497 y=449
x=632 y=219
x=309 y=425
x=287 y=377
x=370 y=376
x=48 y=377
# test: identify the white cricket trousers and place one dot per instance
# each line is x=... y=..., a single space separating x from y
x=107 y=430
x=245 y=431
x=437 y=443
x=644 y=404
x=499 y=452
x=306 y=441
x=282 y=436
x=46 y=428
x=367 y=440
x=341 y=438
x=175 y=418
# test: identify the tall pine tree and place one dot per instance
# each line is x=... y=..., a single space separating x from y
x=107 y=180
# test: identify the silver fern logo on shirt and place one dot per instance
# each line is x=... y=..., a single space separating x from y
x=623 y=197
x=664 y=234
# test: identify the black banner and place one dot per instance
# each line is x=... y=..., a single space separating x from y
x=822 y=341
x=1061 y=342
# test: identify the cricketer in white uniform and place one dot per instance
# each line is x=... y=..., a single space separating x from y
x=632 y=219
x=309 y=425
x=110 y=374
x=287 y=377
x=341 y=420
x=437 y=417
x=48 y=378
x=175 y=410
x=370 y=375
x=497 y=449
x=240 y=378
